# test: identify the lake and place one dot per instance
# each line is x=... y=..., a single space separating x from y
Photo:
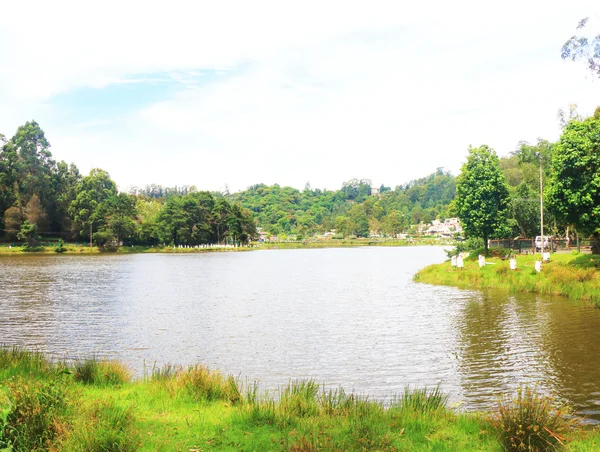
x=345 y=316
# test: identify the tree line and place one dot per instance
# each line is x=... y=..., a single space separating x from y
x=494 y=198
x=39 y=196
x=497 y=198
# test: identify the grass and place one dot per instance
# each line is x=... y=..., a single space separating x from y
x=572 y=275
x=80 y=249
x=47 y=405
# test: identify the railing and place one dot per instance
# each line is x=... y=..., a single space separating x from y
x=526 y=246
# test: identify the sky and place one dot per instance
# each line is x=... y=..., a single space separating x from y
x=224 y=95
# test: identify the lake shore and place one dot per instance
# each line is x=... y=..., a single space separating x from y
x=71 y=249
x=571 y=275
x=91 y=405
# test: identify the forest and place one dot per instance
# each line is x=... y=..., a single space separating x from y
x=40 y=197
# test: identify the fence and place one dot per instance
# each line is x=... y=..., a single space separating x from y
x=527 y=246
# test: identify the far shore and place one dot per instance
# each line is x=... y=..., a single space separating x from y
x=78 y=249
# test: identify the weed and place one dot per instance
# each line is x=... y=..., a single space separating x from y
x=32 y=413
x=531 y=422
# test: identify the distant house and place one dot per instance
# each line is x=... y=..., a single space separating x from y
x=374 y=191
x=448 y=228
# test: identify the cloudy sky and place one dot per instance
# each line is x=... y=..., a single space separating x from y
x=223 y=93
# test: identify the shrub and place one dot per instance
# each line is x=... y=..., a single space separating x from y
x=32 y=414
x=60 y=248
x=531 y=422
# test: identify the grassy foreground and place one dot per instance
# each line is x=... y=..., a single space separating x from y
x=573 y=275
x=94 y=406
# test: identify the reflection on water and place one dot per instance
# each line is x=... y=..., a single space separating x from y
x=351 y=317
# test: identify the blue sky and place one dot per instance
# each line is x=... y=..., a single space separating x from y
x=237 y=93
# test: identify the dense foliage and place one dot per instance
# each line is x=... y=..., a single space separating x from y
x=574 y=190
x=40 y=197
x=352 y=210
x=482 y=197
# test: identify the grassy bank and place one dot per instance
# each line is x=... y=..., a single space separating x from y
x=94 y=406
x=80 y=249
x=573 y=275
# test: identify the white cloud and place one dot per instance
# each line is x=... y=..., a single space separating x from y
x=312 y=91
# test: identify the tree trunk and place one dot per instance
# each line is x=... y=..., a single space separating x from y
x=595 y=242
x=485 y=244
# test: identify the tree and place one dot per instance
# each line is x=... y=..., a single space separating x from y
x=573 y=191
x=583 y=48
x=482 y=196
x=117 y=214
x=13 y=219
x=30 y=163
x=90 y=193
x=28 y=234
x=34 y=213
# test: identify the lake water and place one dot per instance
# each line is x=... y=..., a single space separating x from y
x=347 y=316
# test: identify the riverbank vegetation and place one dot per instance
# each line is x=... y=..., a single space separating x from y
x=95 y=406
x=572 y=275
x=42 y=200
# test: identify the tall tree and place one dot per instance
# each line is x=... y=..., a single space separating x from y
x=574 y=188
x=31 y=163
x=90 y=193
x=482 y=196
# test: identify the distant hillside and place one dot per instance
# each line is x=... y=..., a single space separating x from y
x=355 y=209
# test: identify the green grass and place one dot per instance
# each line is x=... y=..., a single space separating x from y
x=571 y=275
x=48 y=406
x=71 y=249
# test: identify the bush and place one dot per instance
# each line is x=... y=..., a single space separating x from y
x=465 y=246
x=60 y=248
x=531 y=422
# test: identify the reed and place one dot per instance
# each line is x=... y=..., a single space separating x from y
x=105 y=372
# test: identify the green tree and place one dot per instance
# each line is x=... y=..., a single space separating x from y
x=118 y=213
x=482 y=196
x=359 y=221
x=90 y=193
x=148 y=231
x=573 y=191
x=13 y=219
x=28 y=234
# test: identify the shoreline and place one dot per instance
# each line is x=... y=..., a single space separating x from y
x=575 y=276
x=194 y=408
x=87 y=250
